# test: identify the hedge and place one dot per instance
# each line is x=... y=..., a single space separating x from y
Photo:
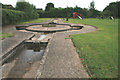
x=14 y=16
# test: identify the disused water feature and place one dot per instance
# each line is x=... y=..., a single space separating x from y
x=42 y=37
x=24 y=60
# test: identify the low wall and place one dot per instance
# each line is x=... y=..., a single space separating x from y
x=6 y=55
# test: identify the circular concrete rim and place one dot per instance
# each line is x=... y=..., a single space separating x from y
x=57 y=30
x=24 y=27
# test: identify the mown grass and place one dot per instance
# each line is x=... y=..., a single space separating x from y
x=99 y=49
x=5 y=35
x=39 y=20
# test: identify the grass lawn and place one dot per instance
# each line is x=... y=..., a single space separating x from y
x=99 y=49
x=5 y=35
x=39 y=20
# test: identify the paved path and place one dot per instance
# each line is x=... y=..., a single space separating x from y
x=62 y=60
x=9 y=43
x=18 y=36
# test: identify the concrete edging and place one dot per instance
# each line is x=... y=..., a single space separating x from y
x=48 y=31
x=24 y=27
x=39 y=72
x=10 y=52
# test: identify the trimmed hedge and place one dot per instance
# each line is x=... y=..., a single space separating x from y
x=12 y=16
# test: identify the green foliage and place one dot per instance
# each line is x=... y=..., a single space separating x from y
x=26 y=12
x=99 y=49
x=12 y=16
x=92 y=13
x=30 y=11
x=39 y=20
x=68 y=12
x=113 y=8
x=92 y=5
x=24 y=6
x=52 y=12
x=56 y=12
x=7 y=6
x=106 y=13
x=49 y=6
x=42 y=14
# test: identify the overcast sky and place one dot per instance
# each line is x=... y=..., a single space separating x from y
x=99 y=4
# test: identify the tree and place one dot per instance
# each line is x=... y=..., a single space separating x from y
x=24 y=6
x=20 y=0
x=106 y=13
x=92 y=11
x=92 y=5
x=5 y=6
x=85 y=12
x=29 y=9
x=113 y=8
x=42 y=13
x=49 y=6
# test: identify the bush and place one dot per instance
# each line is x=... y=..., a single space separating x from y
x=35 y=15
x=29 y=10
x=113 y=9
x=7 y=6
x=43 y=14
x=24 y=12
x=12 y=16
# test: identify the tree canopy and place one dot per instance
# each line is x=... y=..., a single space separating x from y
x=92 y=5
x=28 y=8
x=30 y=11
x=49 y=6
x=112 y=9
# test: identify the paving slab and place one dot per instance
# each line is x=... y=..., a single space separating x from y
x=18 y=37
x=10 y=42
x=62 y=61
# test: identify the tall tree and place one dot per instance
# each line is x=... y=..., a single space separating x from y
x=7 y=6
x=20 y=0
x=24 y=6
x=92 y=5
x=29 y=9
x=92 y=11
x=113 y=8
x=49 y=6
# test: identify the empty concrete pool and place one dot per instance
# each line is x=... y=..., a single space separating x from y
x=25 y=62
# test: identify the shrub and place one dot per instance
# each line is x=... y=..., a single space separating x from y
x=43 y=14
x=24 y=11
x=29 y=9
x=12 y=16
